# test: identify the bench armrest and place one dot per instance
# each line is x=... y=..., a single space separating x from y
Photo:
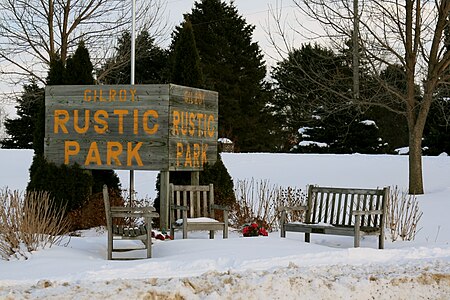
x=132 y=209
x=220 y=207
x=366 y=212
x=180 y=207
x=136 y=212
x=291 y=208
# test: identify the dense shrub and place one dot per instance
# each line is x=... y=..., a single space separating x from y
x=92 y=213
x=218 y=175
x=70 y=186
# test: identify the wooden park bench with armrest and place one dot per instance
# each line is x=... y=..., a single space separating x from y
x=192 y=208
x=127 y=232
x=341 y=211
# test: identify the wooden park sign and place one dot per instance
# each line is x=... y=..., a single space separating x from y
x=132 y=127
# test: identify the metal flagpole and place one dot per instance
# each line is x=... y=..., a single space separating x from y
x=133 y=51
x=355 y=51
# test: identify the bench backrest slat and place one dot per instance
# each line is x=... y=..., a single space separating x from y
x=335 y=205
x=197 y=199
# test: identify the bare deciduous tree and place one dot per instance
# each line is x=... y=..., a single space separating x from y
x=409 y=33
x=34 y=31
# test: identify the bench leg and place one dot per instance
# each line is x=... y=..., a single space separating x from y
x=307 y=237
x=357 y=230
x=225 y=226
x=110 y=243
x=211 y=234
x=282 y=221
x=149 y=238
x=185 y=231
x=381 y=241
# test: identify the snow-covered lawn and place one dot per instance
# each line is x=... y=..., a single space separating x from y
x=257 y=267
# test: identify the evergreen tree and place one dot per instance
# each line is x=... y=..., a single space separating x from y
x=186 y=68
x=392 y=125
x=151 y=62
x=79 y=67
x=310 y=127
x=232 y=64
x=437 y=129
x=21 y=129
x=186 y=71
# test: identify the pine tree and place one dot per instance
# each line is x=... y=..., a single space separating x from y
x=21 y=129
x=151 y=62
x=309 y=127
x=79 y=69
x=437 y=129
x=393 y=126
x=186 y=68
x=232 y=64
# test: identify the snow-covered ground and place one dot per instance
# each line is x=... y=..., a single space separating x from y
x=259 y=267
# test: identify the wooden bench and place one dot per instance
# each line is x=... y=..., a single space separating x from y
x=340 y=211
x=116 y=219
x=192 y=208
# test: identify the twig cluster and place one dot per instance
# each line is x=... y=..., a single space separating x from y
x=29 y=223
x=258 y=202
x=403 y=215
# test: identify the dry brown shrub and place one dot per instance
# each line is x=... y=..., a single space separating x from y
x=29 y=223
x=403 y=215
x=258 y=202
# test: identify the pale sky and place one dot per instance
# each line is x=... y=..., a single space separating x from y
x=255 y=12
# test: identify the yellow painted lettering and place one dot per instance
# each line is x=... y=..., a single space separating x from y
x=60 y=122
x=175 y=122
x=101 y=98
x=93 y=155
x=135 y=121
x=188 y=158
x=133 y=95
x=71 y=148
x=184 y=121
x=112 y=95
x=121 y=113
x=87 y=95
x=204 y=157
x=145 y=117
x=113 y=150
x=200 y=121
x=191 y=124
x=133 y=152
x=179 y=153
x=102 y=126
x=211 y=128
x=123 y=95
x=76 y=126
x=196 y=155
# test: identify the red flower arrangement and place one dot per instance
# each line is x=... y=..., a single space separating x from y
x=161 y=236
x=254 y=230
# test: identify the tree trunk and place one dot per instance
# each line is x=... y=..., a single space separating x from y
x=415 y=163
